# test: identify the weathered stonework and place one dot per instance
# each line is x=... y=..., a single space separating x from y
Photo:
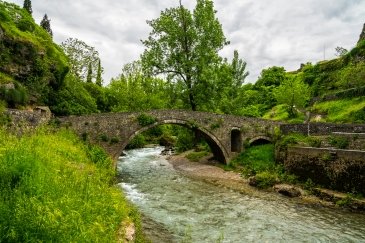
x=338 y=169
x=21 y=120
x=321 y=128
x=220 y=131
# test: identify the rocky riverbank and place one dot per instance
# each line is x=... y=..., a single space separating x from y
x=207 y=170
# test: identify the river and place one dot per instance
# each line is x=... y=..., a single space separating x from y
x=195 y=211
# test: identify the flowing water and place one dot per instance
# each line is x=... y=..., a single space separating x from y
x=195 y=211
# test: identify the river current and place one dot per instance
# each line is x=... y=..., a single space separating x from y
x=196 y=211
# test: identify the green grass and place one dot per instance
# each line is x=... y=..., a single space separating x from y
x=196 y=156
x=255 y=159
x=54 y=188
x=342 y=111
x=280 y=113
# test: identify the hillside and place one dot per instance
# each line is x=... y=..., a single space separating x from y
x=31 y=65
x=337 y=89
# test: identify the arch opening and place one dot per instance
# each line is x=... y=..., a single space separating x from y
x=260 y=141
x=236 y=141
x=215 y=145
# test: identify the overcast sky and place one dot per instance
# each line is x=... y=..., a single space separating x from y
x=265 y=32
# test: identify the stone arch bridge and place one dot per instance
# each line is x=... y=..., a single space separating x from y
x=225 y=134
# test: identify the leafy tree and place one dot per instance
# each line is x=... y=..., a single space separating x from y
x=238 y=69
x=268 y=80
x=80 y=56
x=27 y=5
x=272 y=76
x=184 y=46
x=46 y=24
x=292 y=92
x=133 y=91
x=89 y=74
x=99 y=80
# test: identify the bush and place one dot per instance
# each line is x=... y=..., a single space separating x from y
x=265 y=179
x=145 y=120
x=314 y=142
x=339 y=142
x=138 y=141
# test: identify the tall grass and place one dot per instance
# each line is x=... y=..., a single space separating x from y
x=55 y=188
x=342 y=111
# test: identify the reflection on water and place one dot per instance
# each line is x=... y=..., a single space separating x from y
x=200 y=212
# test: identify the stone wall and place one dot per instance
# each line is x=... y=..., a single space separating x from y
x=321 y=128
x=20 y=120
x=333 y=168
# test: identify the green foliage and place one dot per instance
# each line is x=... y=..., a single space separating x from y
x=255 y=159
x=292 y=92
x=314 y=142
x=26 y=46
x=14 y=97
x=145 y=120
x=55 y=188
x=281 y=113
x=342 y=111
x=184 y=45
x=46 y=25
x=133 y=91
x=265 y=179
x=27 y=5
x=72 y=99
x=196 y=156
x=89 y=74
x=349 y=199
x=138 y=141
x=339 y=142
x=103 y=138
x=114 y=140
x=185 y=140
x=99 y=80
x=81 y=55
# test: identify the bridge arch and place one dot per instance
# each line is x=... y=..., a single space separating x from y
x=217 y=147
x=260 y=140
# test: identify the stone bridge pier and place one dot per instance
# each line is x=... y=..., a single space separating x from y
x=225 y=134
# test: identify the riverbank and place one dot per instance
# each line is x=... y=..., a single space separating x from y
x=208 y=171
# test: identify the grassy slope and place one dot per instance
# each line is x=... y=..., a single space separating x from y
x=55 y=188
x=343 y=80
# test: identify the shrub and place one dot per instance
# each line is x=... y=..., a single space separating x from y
x=104 y=138
x=145 y=120
x=138 y=141
x=314 y=142
x=339 y=142
x=114 y=140
x=265 y=179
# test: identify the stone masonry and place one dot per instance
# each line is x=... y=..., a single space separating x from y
x=225 y=134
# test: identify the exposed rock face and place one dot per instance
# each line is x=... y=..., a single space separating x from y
x=362 y=35
x=288 y=190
